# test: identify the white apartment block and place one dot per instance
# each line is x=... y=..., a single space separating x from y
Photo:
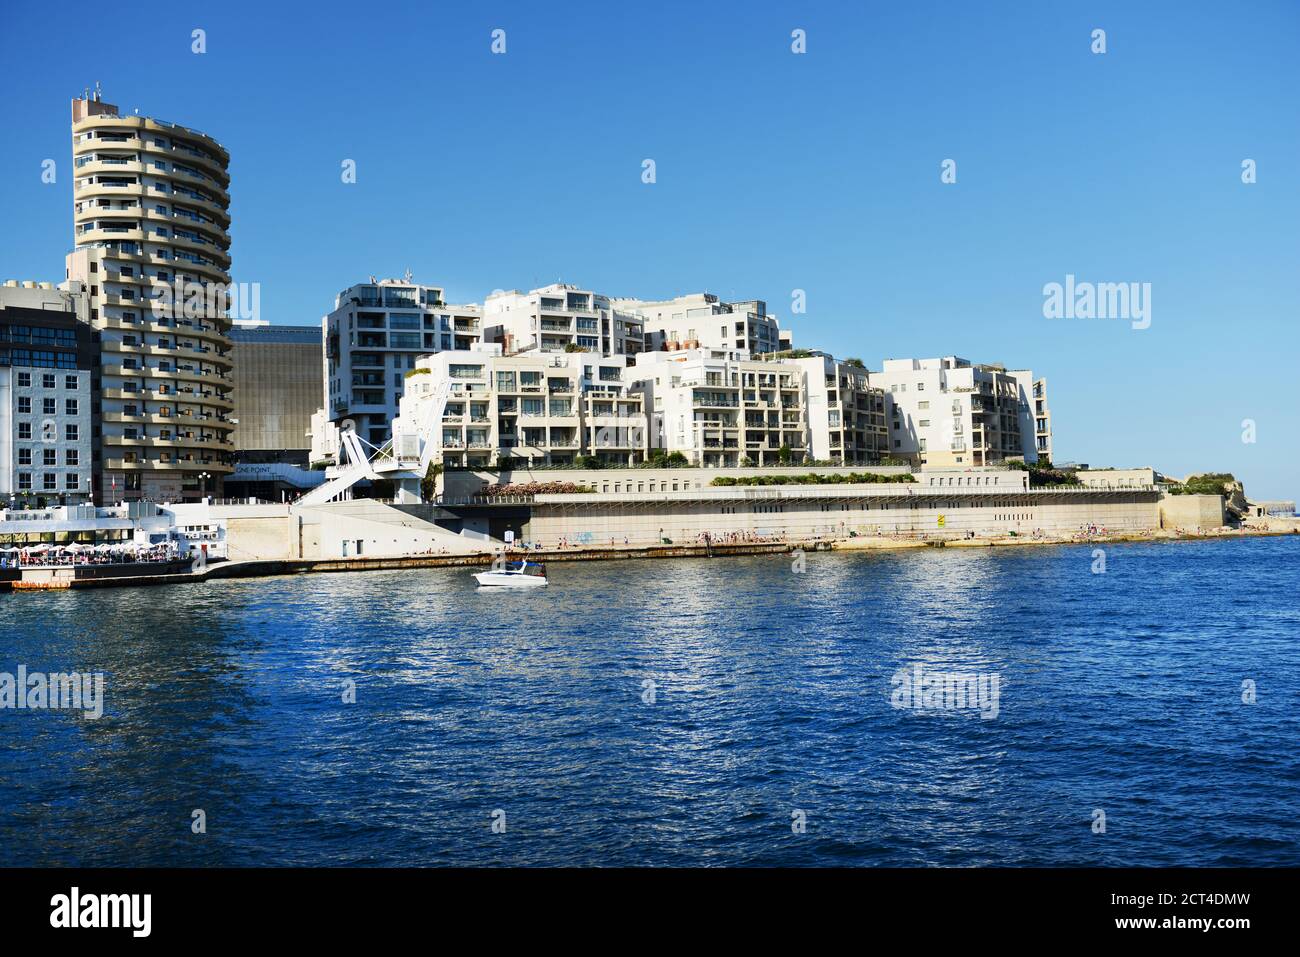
x=47 y=362
x=373 y=338
x=1042 y=421
x=701 y=321
x=948 y=412
x=543 y=408
x=560 y=318
x=723 y=408
x=846 y=414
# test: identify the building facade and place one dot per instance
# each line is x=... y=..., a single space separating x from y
x=701 y=320
x=721 y=407
x=1042 y=421
x=949 y=412
x=151 y=212
x=279 y=381
x=373 y=338
x=559 y=318
x=535 y=407
x=48 y=361
x=846 y=414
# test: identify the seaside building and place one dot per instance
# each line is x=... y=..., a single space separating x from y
x=537 y=407
x=279 y=380
x=151 y=215
x=560 y=318
x=950 y=412
x=701 y=320
x=49 y=357
x=1042 y=421
x=722 y=407
x=373 y=338
x=846 y=414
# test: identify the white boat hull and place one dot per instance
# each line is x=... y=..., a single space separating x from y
x=498 y=579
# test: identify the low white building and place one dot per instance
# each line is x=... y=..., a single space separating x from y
x=846 y=414
x=950 y=412
x=559 y=318
x=541 y=407
x=724 y=408
x=702 y=320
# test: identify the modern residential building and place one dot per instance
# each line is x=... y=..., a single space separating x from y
x=536 y=407
x=559 y=318
x=151 y=213
x=48 y=361
x=279 y=381
x=373 y=338
x=949 y=412
x=846 y=414
x=701 y=320
x=1042 y=421
x=724 y=408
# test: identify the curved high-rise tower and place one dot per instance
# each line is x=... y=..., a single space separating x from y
x=151 y=212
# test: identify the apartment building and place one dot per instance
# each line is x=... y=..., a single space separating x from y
x=846 y=414
x=702 y=321
x=151 y=220
x=49 y=358
x=560 y=318
x=374 y=337
x=544 y=408
x=722 y=407
x=950 y=412
x=1042 y=421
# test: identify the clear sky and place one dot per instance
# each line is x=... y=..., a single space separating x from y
x=775 y=172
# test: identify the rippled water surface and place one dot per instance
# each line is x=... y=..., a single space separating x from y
x=1119 y=691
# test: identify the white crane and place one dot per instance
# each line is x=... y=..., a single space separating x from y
x=405 y=459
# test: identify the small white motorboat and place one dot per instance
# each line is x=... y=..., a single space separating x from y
x=523 y=574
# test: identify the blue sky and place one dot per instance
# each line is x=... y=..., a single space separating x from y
x=775 y=172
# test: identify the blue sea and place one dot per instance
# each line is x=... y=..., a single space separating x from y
x=731 y=711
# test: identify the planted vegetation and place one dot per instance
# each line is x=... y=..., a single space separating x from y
x=1211 y=483
x=813 y=478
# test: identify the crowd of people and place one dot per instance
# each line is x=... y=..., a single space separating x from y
x=115 y=553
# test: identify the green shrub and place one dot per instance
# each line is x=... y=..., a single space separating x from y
x=812 y=478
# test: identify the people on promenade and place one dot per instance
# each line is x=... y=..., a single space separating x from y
x=27 y=556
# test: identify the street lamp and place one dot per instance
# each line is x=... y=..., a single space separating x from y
x=203 y=484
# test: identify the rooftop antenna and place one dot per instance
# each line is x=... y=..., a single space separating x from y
x=407 y=275
x=99 y=94
x=86 y=94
